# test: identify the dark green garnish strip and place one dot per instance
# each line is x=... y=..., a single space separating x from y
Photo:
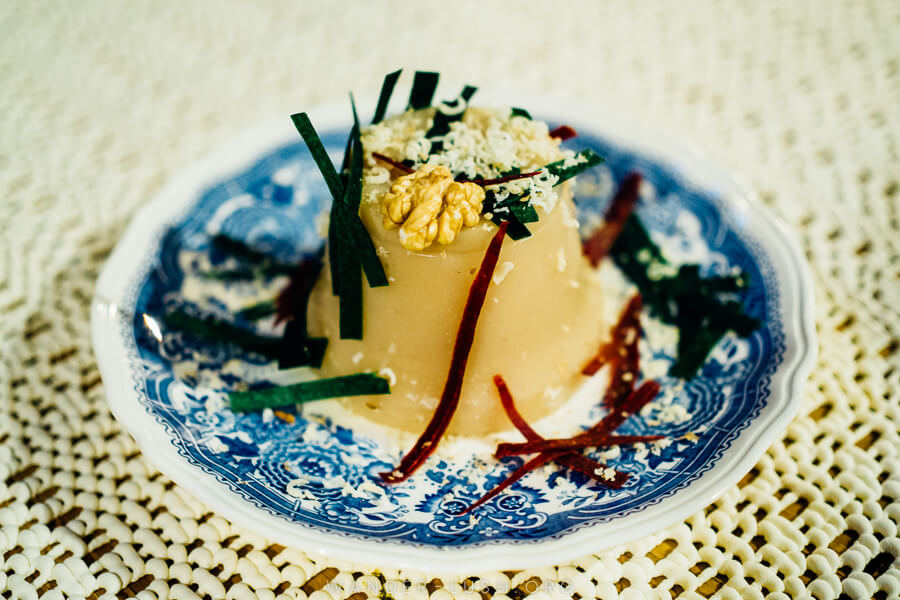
x=245 y=253
x=213 y=329
x=520 y=112
x=384 y=98
x=524 y=212
x=257 y=311
x=293 y=349
x=423 y=88
x=687 y=300
x=363 y=247
x=440 y=126
x=360 y=384
x=260 y=265
x=349 y=245
x=298 y=349
x=518 y=209
x=591 y=159
x=320 y=155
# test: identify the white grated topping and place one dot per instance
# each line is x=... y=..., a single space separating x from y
x=486 y=143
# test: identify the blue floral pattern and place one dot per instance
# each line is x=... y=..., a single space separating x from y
x=321 y=474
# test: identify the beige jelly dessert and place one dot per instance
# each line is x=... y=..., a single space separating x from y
x=541 y=319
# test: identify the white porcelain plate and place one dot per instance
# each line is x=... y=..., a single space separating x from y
x=305 y=484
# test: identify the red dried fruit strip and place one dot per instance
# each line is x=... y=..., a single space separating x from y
x=465 y=336
x=580 y=463
x=606 y=425
x=598 y=245
x=291 y=301
x=563 y=132
x=596 y=435
x=530 y=434
x=635 y=402
x=503 y=179
x=394 y=163
x=629 y=319
x=574 y=444
x=607 y=352
x=532 y=464
x=575 y=461
x=622 y=352
x=509 y=406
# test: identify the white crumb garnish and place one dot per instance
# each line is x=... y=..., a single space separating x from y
x=368 y=486
x=607 y=473
x=295 y=488
x=561 y=260
x=501 y=272
x=389 y=374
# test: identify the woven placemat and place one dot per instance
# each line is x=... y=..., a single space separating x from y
x=102 y=102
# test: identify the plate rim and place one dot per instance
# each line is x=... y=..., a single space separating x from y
x=693 y=165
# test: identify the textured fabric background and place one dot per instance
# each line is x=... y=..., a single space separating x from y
x=101 y=102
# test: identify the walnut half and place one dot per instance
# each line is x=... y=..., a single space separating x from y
x=428 y=205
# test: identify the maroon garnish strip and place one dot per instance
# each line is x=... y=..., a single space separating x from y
x=531 y=435
x=573 y=444
x=575 y=461
x=504 y=179
x=465 y=336
x=292 y=300
x=534 y=463
x=563 y=132
x=578 y=462
x=394 y=163
x=598 y=435
x=622 y=353
x=598 y=245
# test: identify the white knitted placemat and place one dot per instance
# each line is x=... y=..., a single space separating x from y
x=101 y=102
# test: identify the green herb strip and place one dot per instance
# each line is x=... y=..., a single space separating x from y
x=588 y=158
x=350 y=299
x=520 y=212
x=360 y=384
x=440 y=126
x=298 y=349
x=258 y=311
x=686 y=300
x=363 y=246
x=424 y=85
x=520 y=112
x=384 y=98
x=213 y=329
x=524 y=212
x=349 y=244
x=245 y=253
x=334 y=248
x=320 y=155
x=355 y=248
x=516 y=230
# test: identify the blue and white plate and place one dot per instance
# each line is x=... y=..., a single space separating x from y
x=311 y=484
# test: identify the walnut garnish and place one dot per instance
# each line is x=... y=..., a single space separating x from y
x=428 y=205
